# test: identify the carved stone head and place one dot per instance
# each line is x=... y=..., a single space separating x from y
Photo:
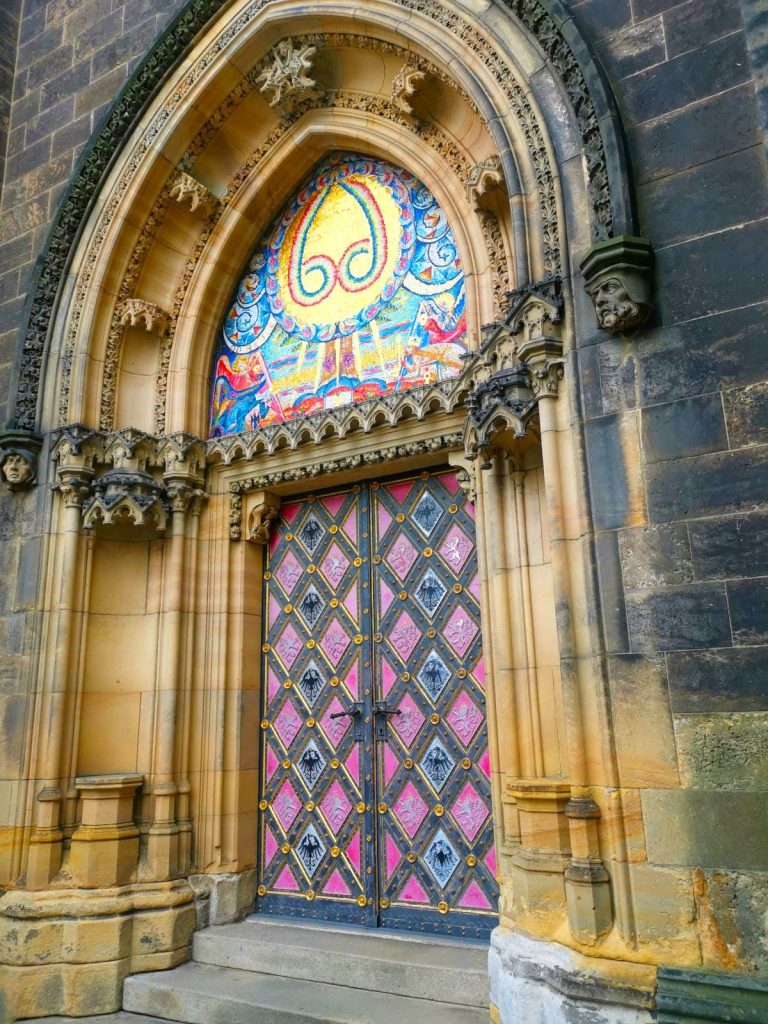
x=18 y=469
x=617 y=276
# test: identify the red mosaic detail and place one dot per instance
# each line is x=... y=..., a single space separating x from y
x=401 y=491
x=465 y=718
x=402 y=556
x=474 y=898
x=286 y=881
x=450 y=482
x=288 y=573
x=334 y=566
x=336 y=886
x=286 y=805
x=336 y=807
x=288 y=646
x=413 y=892
x=287 y=724
x=275 y=610
x=354 y=851
x=470 y=811
x=409 y=722
x=334 y=504
x=273 y=762
x=456 y=549
x=409 y=809
x=404 y=636
x=335 y=642
x=335 y=728
x=460 y=630
x=393 y=856
x=270 y=847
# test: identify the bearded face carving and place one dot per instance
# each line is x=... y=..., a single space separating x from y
x=615 y=309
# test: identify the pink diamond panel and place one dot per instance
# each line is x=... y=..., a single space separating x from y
x=409 y=809
x=336 y=807
x=456 y=549
x=402 y=556
x=460 y=630
x=470 y=811
x=288 y=647
x=288 y=573
x=286 y=805
x=334 y=565
x=335 y=728
x=465 y=718
x=335 y=642
x=404 y=636
x=287 y=724
x=410 y=720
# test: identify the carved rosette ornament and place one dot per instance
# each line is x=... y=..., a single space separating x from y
x=618 y=276
x=519 y=363
x=19 y=450
x=287 y=76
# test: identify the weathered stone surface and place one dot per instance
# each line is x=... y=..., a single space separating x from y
x=729 y=547
x=612 y=592
x=654 y=556
x=748 y=602
x=708 y=485
x=746 y=411
x=718 y=681
x=725 y=752
x=712 y=829
x=678 y=618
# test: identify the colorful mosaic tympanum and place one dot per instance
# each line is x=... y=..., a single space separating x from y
x=357 y=291
x=372 y=606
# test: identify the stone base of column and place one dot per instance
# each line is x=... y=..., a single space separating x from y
x=533 y=982
x=224 y=899
x=68 y=951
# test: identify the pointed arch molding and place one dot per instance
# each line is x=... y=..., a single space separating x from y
x=546 y=22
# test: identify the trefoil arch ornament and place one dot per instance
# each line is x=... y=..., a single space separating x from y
x=557 y=35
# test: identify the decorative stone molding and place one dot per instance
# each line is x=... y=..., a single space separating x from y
x=587 y=883
x=192 y=193
x=125 y=495
x=592 y=106
x=483 y=178
x=138 y=313
x=287 y=77
x=263 y=509
x=618 y=278
x=19 y=451
x=405 y=86
x=519 y=362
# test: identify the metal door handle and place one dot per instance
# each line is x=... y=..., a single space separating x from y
x=382 y=713
x=356 y=714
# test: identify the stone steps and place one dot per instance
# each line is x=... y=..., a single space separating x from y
x=281 y=972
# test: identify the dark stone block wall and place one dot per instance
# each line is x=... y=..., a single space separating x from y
x=73 y=58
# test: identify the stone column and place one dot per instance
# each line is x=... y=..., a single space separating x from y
x=105 y=845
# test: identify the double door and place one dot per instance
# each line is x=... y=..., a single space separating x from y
x=375 y=794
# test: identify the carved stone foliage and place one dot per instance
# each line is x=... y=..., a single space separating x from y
x=138 y=313
x=128 y=476
x=519 y=363
x=190 y=192
x=618 y=279
x=19 y=451
x=288 y=75
x=151 y=73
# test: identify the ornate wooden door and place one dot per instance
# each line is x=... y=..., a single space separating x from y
x=375 y=801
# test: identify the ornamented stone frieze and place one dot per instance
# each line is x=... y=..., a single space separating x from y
x=19 y=451
x=139 y=313
x=618 y=277
x=287 y=76
x=192 y=193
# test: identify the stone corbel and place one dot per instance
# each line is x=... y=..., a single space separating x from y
x=535 y=320
x=288 y=74
x=263 y=509
x=19 y=451
x=127 y=495
x=76 y=450
x=139 y=313
x=407 y=83
x=483 y=178
x=190 y=192
x=618 y=276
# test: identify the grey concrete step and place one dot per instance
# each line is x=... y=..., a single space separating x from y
x=108 y=1018
x=202 y=994
x=416 y=966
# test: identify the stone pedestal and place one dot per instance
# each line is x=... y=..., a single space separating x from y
x=105 y=846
